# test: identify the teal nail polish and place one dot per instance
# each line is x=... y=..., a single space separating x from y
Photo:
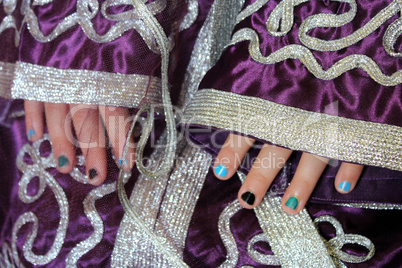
x=62 y=160
x=292 y=203
x=31 y=133
x=221 y=171
x=345 y=186
x=122 y=162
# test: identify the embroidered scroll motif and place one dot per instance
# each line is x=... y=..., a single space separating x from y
x=282 y=18
x=86 y=11
x=38 y=169
x=9 y=21
x=336 y=243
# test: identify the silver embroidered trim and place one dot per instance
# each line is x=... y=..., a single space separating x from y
x=9 y=22
x=376 y=206
x=38 y=169
x=250 y=9
x=156 y=201
x=293 y=238
x=336 y=243
x=332 y=20
x=6 y=79
x=307 y=58
x=318 y=133
x=191 y=15
x=96 y=221
x=282 y=17
x=7 y=258
x=86 y=11
x=181 y=195
x=259 y=257
x=48 y=84
x=212 y=39
x=232 y=252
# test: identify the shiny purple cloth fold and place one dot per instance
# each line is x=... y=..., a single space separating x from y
x=357 y=96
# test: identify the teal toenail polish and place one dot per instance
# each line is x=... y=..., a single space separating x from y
x=122 y=162
x=292 y=203
x=221 y=171
x=31 y=133
x=345 y=186
x=62 y=160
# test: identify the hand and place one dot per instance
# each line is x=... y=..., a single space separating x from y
x=89 y=123
x=261 y=176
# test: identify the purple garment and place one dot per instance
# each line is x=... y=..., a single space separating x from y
x=289 y=83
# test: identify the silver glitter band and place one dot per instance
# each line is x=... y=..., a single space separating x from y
x=326 y=135
x=48 y=84
x=6 y=79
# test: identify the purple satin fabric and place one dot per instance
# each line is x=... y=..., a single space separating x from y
x=289 y=82
x=74 y=50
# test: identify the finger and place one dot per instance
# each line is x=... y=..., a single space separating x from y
x=63 y=149
x=231 y=155
x=91 y=140
x=117 y=123
x=34 y=119
x=347 y=177
x=268 y=163
x=303 y=183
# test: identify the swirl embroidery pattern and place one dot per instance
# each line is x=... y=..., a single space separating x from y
x=283 y=13
x=39 y=169
x=86 y=11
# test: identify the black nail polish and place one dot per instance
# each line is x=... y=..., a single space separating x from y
x=248 y=197
x=92 y=173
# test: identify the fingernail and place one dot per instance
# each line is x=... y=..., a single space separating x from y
x=344 y=186
x=31 y=133
x=220 y=171
x=92 y=173
x=292 y=203
x=62 y=161
x=248 y=197
x=122 y=162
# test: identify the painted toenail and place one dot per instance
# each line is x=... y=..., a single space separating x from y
x=292 y=203
x=248 y=197
x=344 y=186
x=62 y=161
x=221 y=171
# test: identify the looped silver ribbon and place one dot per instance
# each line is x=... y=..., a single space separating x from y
x=159 y=242
x=336 y=243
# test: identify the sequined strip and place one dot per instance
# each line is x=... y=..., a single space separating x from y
x=191 y=16
x=376 y=206
x=293 y=238
x=307 y=58
x=212 y=39
x=38 y=169
x=181 y=195
x=6 y=79
x=41 y=83
x=322 y=134
x=96 y=221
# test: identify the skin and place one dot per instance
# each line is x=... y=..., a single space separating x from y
x=89 y=123
x=261 y=176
